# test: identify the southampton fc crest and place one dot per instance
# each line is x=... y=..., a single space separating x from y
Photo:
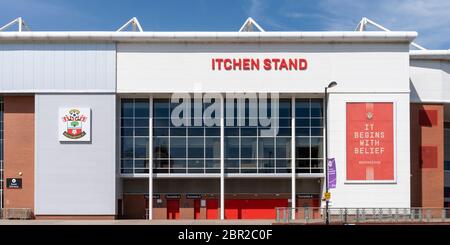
x=74 y=124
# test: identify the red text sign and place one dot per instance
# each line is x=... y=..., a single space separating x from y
x=255 y=64
x=370 y=142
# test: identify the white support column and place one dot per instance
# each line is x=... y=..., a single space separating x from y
x=293 y=163
x=222 y=158
x=150 y=163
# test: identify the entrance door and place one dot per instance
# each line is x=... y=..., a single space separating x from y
x=173 y=209
x=212 y=206
x=197 y=209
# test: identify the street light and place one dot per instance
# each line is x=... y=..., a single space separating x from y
x=327 y=216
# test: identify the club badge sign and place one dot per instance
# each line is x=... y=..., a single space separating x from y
x=370 y=141
x=74 y=124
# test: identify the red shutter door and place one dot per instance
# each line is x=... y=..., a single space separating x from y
x=253 y=208
x=212 y=206
x=173 y=209
x=197 y=209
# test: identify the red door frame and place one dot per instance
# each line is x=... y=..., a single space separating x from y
x=173 y=208
x=197 y=208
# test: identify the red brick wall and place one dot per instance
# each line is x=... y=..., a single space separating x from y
x=427 y=155
x=19 y=150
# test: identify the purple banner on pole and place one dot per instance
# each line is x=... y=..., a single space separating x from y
x=331 y=173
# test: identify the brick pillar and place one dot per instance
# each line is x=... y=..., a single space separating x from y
x=19 y=150
x=427 y=155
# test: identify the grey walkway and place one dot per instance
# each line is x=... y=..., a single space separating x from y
x=136 y=222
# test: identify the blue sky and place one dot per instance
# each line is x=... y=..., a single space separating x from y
x=431 y=18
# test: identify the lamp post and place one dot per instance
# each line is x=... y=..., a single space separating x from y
x=327 y=216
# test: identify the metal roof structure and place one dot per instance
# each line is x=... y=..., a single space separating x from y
x=134 y=23
x=250 y=25
x=249 y=32
x=20 y=25
x=419 y=53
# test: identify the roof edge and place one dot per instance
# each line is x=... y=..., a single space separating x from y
x=430 y=54
x=279 y=37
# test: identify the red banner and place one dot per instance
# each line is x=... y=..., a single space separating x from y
x=370 y=141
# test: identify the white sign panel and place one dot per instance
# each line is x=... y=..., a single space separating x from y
x=74 y=124
x=287 y=68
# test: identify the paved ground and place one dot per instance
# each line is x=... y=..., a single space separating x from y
x=136 y=222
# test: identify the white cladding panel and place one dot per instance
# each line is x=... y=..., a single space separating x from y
x=387 y=195
x=430 y=81
x=57 y=67
x=369 y=67
x=75 y=178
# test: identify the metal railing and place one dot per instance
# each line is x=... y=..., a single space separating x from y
x=15 y=213
x=362 y=215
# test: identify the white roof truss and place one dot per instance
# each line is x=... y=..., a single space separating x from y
x=134 y=23
x=365 y=21
x=21 y=26
x=250 y=25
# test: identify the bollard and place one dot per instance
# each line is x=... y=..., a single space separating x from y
x=357 y=215
x=277 y=217
x=443 y=215
x=428 y=215
x=420 y=215
x=345 y=216
x=289 y=218
x=284 y=215
x=306 y=215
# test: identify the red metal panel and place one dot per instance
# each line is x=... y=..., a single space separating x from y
x=173 y=209
x=428 y=156
x=428 y=118
x=197 y=209
x=212 y=206
x=253 y=208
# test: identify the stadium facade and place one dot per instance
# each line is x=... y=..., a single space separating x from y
x=87 y=127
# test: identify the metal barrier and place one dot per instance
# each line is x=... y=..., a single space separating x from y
x=15 y=213
x=307 y=215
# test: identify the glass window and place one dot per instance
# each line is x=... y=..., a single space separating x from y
x=178 y=147
x=126 y=131
x=141 y=132
x=309 y=131
x=161 y=131
x=127 y=108
x=141 y=108
x=285 y=109
x=212 y=147
x=316 y=108
x=248 y=148
x=266 y=147
x=186 y=144
x=127 y=147
x=302 y=108
x=283 y=149
x=161 y=147
x=161 y=109
x=253 y=150
x=178 y=131
x=232 y=148
x=141 y=148
x=302 y=147
x=196 y=148
x=134 y=132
